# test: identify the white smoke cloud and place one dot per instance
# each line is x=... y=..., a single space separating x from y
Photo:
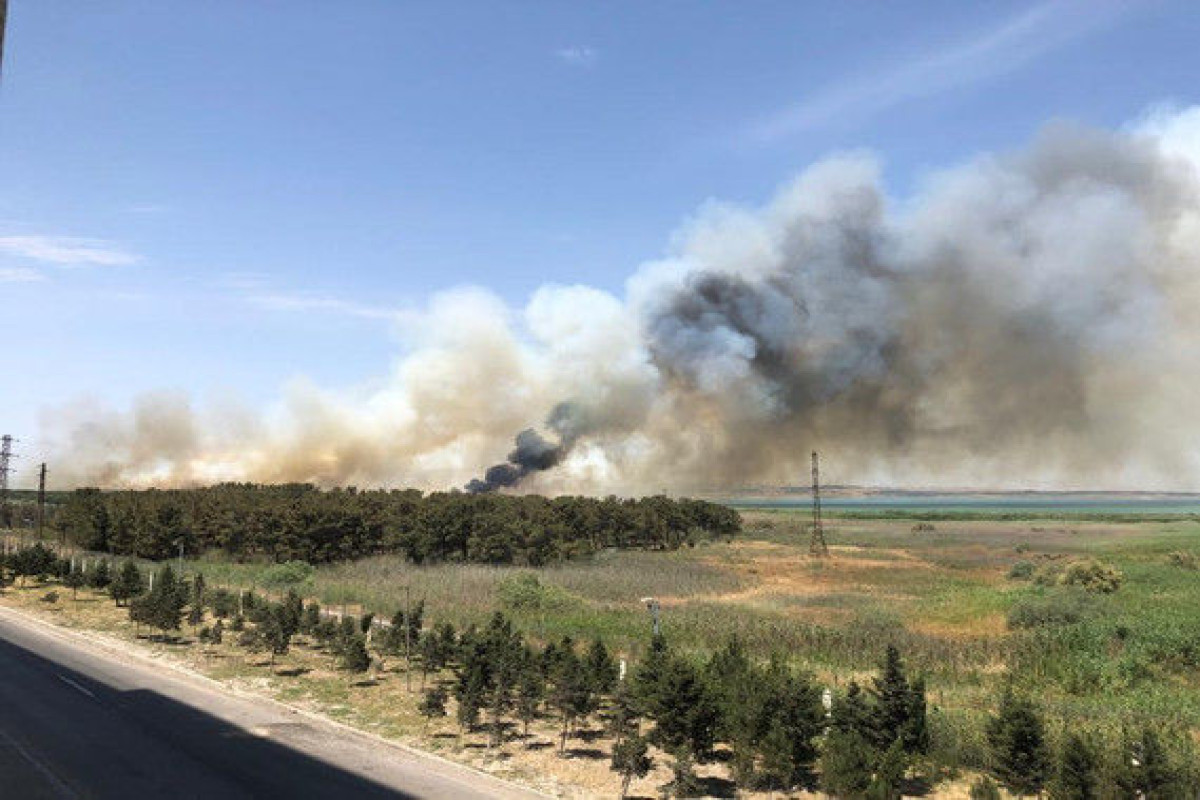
x=1023 y=320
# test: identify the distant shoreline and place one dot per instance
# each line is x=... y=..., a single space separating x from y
x=861 y=503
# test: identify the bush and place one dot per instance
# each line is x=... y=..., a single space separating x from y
x=287 y=574
x=923 y=527
x=956 y=740
x=525 y=592
x=1184 y=560
x=1021 y=571
x=1093 y=576
x=1060 y=608
x=985 y=789
x=50 y=597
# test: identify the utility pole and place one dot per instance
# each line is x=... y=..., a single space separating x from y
x=6 y=456
x=652 y=606
x=41 y=507
x=816 y=542
x=407 y=643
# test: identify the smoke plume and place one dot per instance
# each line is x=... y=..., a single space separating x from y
x=1022 y=320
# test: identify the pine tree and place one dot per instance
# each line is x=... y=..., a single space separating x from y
x=198 y=595
x=195 y=616
x=429 y=649
x=162 y=607
x=196 y=603
x=851 y=713
x=354 y=655
x=531 y=688
x=500 y=700
x=630 y=760
x=347 y=632
x=433 y=703
x=569 y=689
x=73 y=580
x=899 y=707
x=1017 y=738
x=167 y=600
x=846 y=764
x=601 y=668
x=100 y=576
x=624 y=716
x=471 y=694
x=128 y=583
x=775 y=751
x=1077 y=775
x=646 y=677
x=410 y=624
x=682 y=708
x=292 y=613
x=311 y=618
x=276 y=630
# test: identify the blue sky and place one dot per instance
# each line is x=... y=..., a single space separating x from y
x=216 y=197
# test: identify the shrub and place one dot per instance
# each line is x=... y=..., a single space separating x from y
x=1060 y=608
x=1093 y=576
x=289 y=573
x=1021 y=571
x=525 y=592
x=984 y=789
x=50 y=597
x=1184 y=560
x=1048 y=575
x=923 y=527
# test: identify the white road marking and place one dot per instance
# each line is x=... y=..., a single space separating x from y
x=75 y=685
x=56 y=782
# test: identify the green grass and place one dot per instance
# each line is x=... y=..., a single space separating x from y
x=942 y=596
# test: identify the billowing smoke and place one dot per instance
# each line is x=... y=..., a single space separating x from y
x=1021 y=320
x=533 y=452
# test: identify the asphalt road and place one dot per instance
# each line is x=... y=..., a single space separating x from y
x=79 y=721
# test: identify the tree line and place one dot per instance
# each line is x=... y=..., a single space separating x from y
x=301 y=522
x=775 y=725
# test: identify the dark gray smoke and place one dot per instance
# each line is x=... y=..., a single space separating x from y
x=533 y=452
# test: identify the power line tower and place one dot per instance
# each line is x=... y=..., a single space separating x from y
x=41 y=500
x=3 y=25
x=816 y=542
x=6 y=456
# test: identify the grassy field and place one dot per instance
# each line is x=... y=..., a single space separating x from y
x=942 y=595
x=943 y=592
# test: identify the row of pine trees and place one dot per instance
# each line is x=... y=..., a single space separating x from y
x=303 y=523
x=772 y=723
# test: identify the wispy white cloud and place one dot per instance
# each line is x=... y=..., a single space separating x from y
x=20 y=275
x=66 y=251
x=578 y=55
x=147 y=209
x=1000 y=50
x=315 y=303
x=243 y=281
